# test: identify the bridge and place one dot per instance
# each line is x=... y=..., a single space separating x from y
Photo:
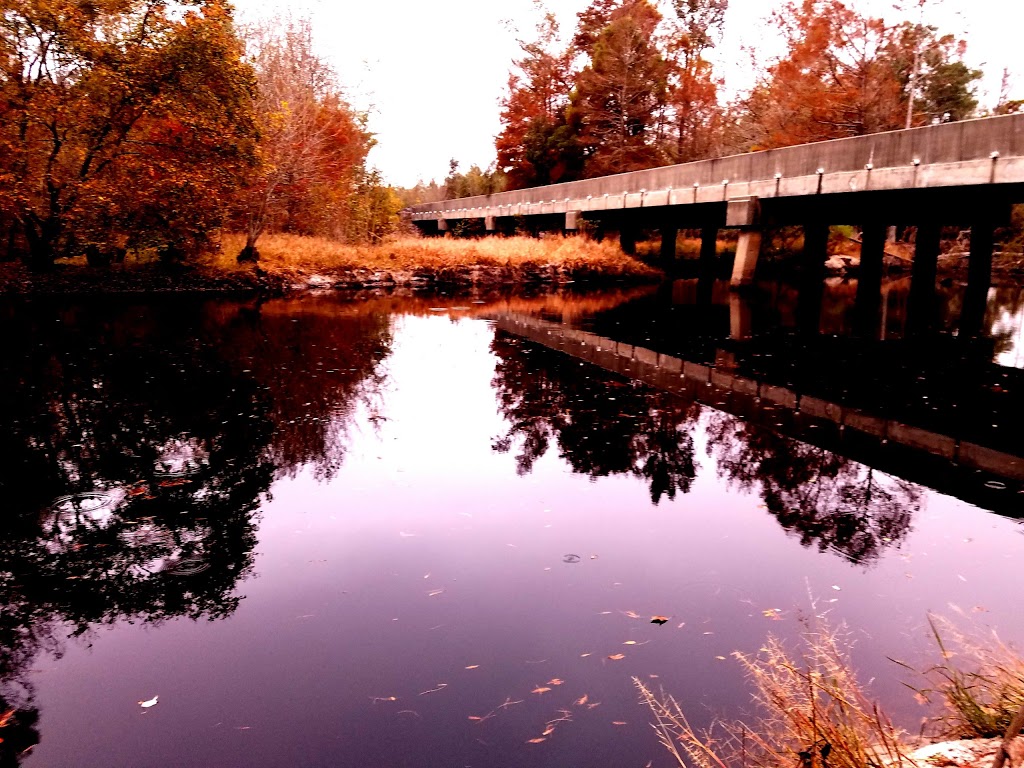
x=966 y=174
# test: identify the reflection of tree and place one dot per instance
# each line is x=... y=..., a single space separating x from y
x=315 y=360
x=822 y=497
x=135 y=446
x=602 y=424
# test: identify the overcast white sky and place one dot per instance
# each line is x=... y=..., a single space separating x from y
x=434 y=71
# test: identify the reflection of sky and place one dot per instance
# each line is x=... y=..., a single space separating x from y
x=340 y=610
x=1010 y=322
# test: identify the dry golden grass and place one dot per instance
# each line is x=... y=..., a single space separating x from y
x=980 y=681
x=813 y=713
x=292 y=254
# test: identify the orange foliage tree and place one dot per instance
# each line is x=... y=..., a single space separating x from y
x=313 y=144
x=837 y=78
x=124 y=123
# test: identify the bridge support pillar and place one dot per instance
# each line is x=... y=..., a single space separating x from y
x=739 y=317
x=668 y=244
x=922 y=280
x=572 y=221
x=869 y=281
x=747 y=251
x=627 y=240
x=812 y=277
x=708 y=250
x=979 y=278
x=442 y=225
x=490 y=224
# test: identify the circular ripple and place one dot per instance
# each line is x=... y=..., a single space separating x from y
x=186 y=470
x=571 y=559
x=995 y=485
x=82 y=502
x=189 y=566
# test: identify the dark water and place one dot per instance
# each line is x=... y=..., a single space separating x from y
x=391 y=532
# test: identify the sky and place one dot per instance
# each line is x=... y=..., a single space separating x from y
x=432 y=73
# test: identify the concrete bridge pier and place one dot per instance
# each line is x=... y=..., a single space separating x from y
x=708 y=250
x=921 y=305
x=668 y=244
x=812 y=277
x=744 y=213
x=979 y=277
x=627 y=239
x=869 y=281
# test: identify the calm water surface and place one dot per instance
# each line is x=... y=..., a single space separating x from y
x=391 y=532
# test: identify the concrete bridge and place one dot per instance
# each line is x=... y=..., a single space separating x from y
x=946 y=458
x=966 y=174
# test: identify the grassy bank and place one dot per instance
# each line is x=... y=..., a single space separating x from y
x=410 y=260
x=290 y=262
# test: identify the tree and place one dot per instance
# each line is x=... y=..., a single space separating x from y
x=472 y=183
x=313 y=145
x=124 y=123
x=835 y=79
x=619 y=95
x=692 y=91
x=537 y=145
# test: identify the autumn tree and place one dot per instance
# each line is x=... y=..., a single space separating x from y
x=835 y=79
x=313 y=145
x=692 y=91
x=124 y=123
x=475 y=181
x=537 y=144
x=621 y=92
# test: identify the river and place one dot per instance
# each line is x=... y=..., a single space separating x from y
x=430 y=530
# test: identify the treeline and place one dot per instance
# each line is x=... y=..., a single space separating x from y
x=150 y=125
x=634 y=87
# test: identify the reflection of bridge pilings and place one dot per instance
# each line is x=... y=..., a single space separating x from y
x=944 y=462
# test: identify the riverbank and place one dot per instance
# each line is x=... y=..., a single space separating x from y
x=290 y=263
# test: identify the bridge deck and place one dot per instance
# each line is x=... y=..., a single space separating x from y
x=986 y=152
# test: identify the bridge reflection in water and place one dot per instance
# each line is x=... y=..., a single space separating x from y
x=920 y=401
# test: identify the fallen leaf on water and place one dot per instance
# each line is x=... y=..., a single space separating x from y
x=681 y=625
x=150 y=703
x=775 y=614
x=617 y=656
x=434 y=592
x=581 y=700
x=375 y=699
x=618 y=722
x=473 y=666
x=584 y=655
x=548 y=731
x=440 y=687
x=632 y=614
x=720 y=658
x=659 y=620
x=837 y=588
x=538 y=740
x=540 y=690
x=604 y=613
x=555 y=681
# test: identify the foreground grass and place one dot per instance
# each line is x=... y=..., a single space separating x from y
x=814 y=713
x=295 y=255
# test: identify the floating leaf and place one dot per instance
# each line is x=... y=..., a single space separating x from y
x=617 y=656
x=659 y=620
x=584 y=655
x=149 y=703
x=434 y=592
x=582 y=700
x=473 y=666
x=632 y=614
x=538 y=740
x=555 y=681
x=618 y=722
x=775 y=614
x=548 y=731
x=540 y=690
x=630 y=642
